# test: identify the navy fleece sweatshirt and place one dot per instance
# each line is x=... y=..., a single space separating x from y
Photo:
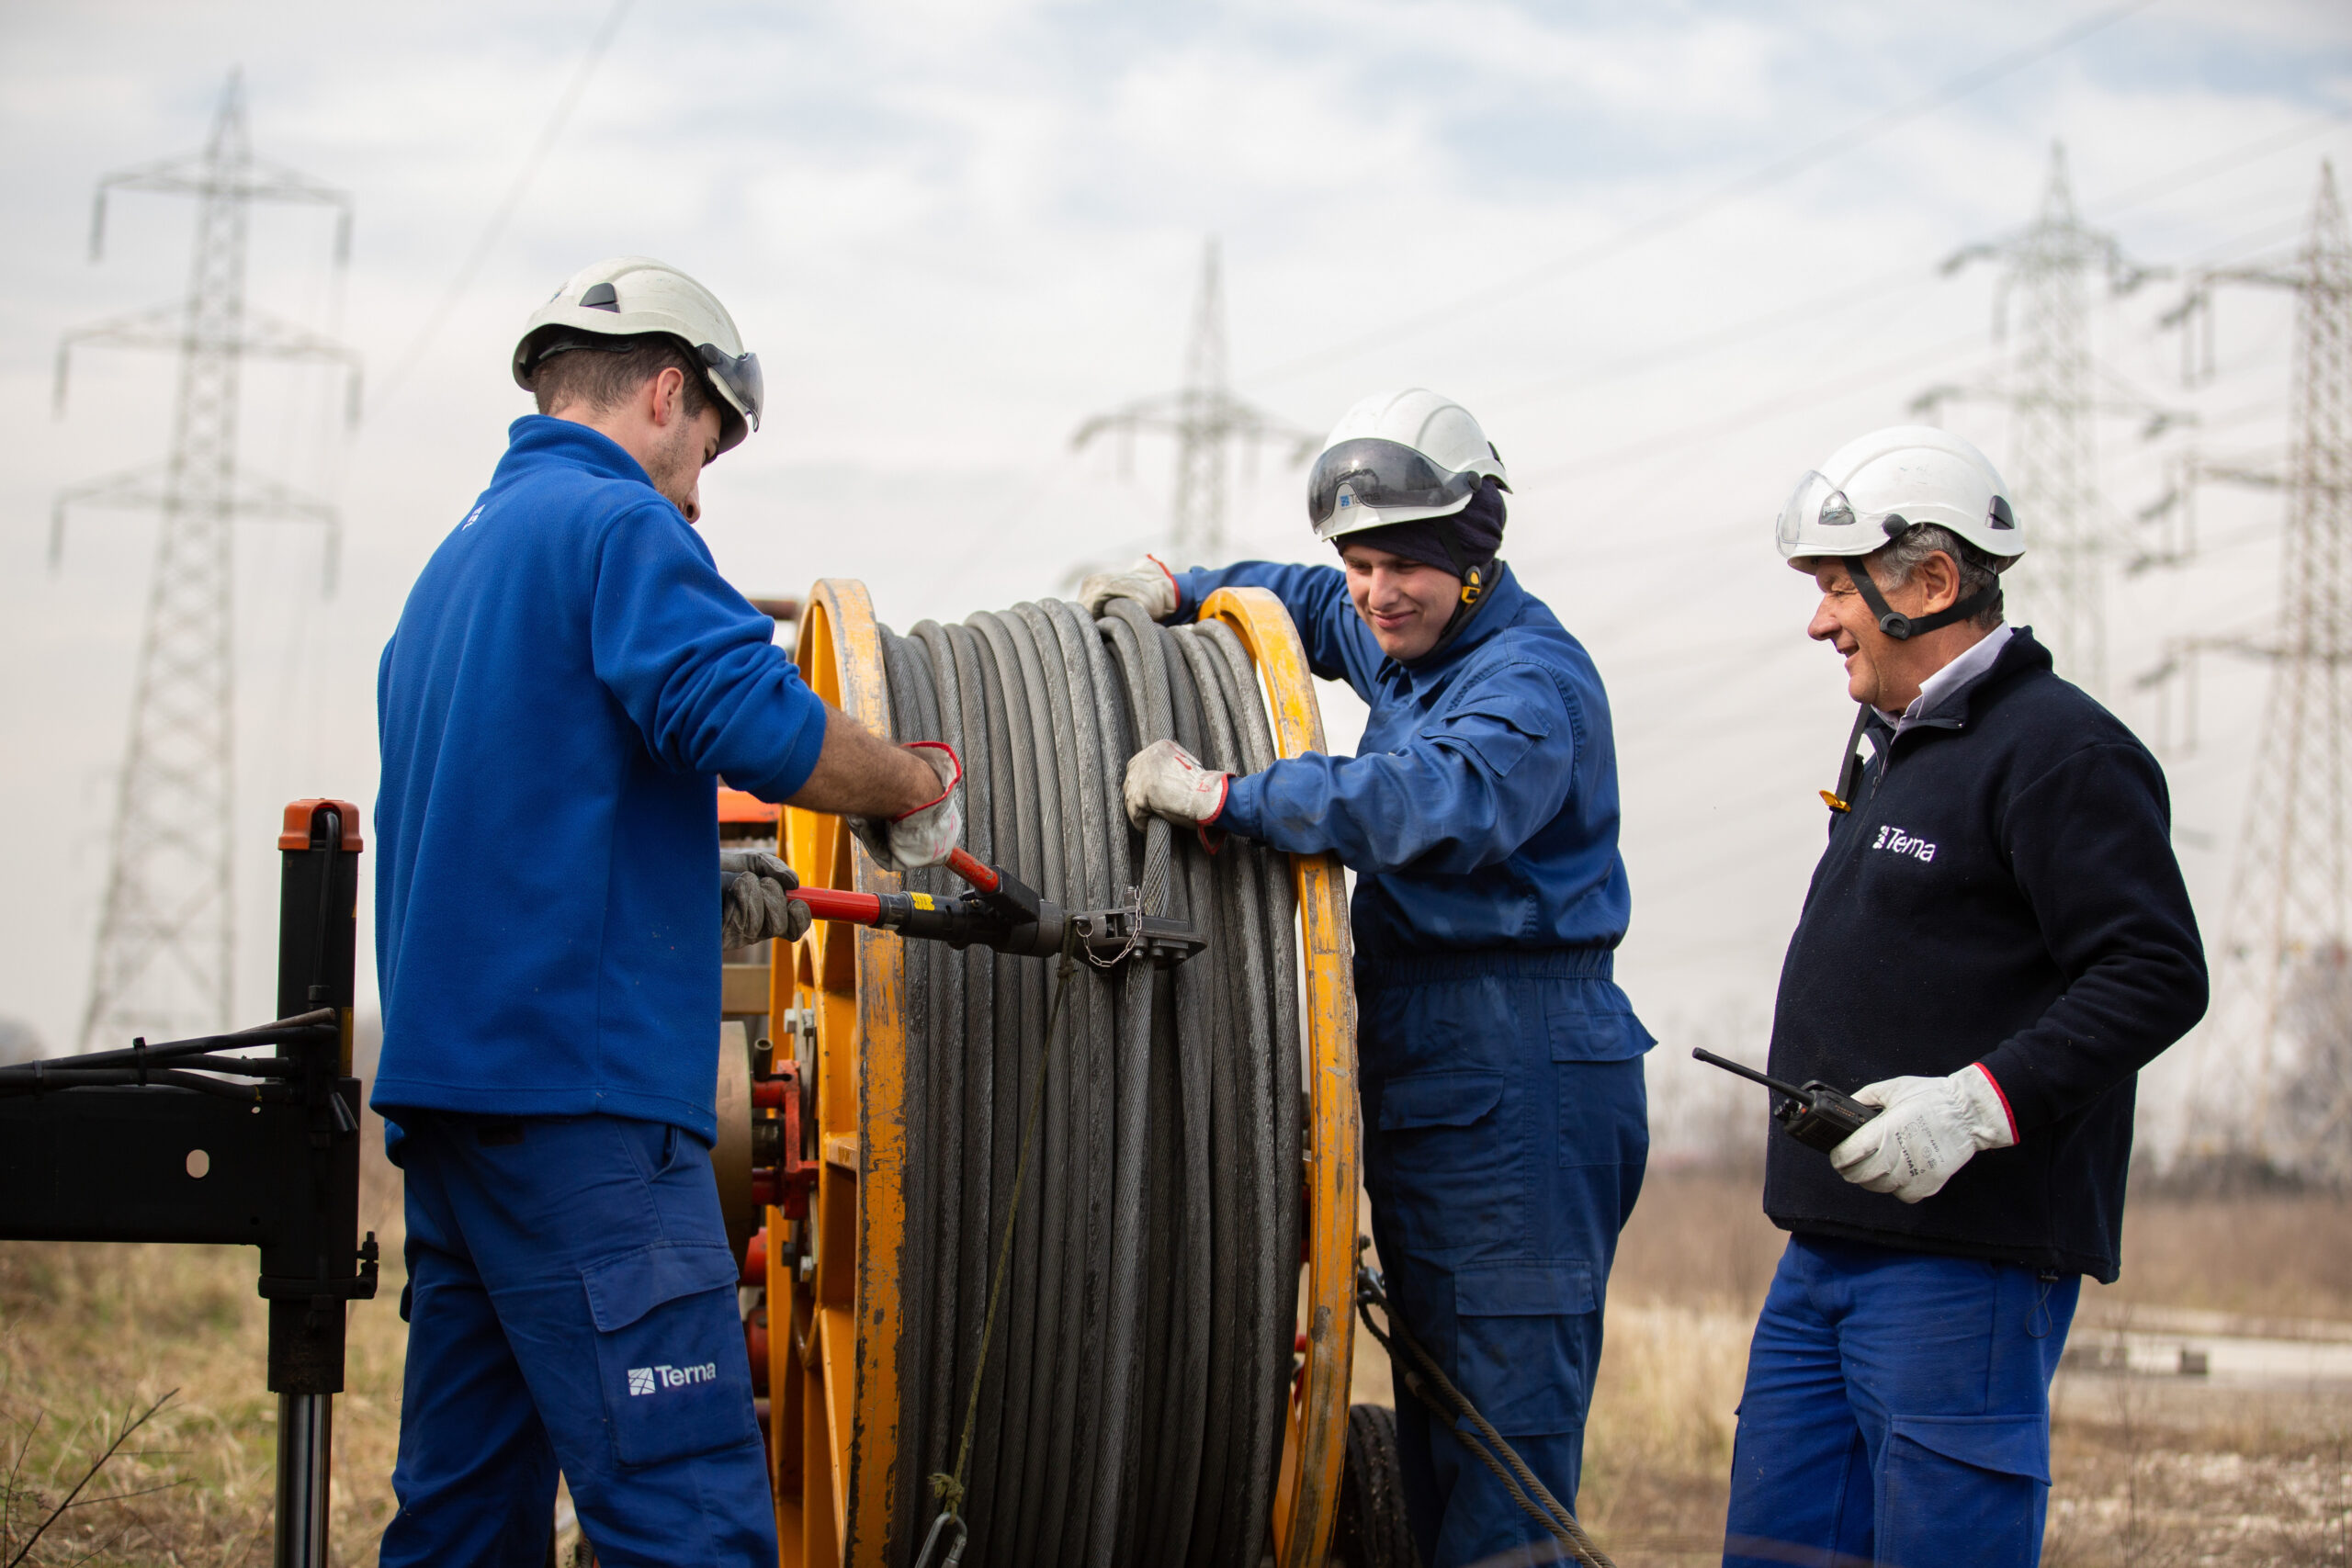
x=2004 y=891
x=569 y=675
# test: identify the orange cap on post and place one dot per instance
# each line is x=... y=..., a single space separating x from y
x=296 y=832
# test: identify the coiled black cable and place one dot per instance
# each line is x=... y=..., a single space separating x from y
x=1131 y=1405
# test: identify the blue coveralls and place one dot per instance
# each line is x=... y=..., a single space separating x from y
x=1505 y=1118
x=569 y=676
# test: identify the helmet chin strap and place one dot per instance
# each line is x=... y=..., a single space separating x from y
x=1900 y=627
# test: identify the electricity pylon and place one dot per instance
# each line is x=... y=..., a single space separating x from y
x=2061 y=586
x=167 y=936
x=1205 y=417
x=2282 y=979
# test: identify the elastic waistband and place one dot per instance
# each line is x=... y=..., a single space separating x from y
x=1504 y=963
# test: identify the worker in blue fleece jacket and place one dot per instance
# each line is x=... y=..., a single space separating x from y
x=1505 y=1119
x=1996 y=941
x=569 y=677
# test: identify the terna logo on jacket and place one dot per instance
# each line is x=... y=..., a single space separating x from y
x=1902 y=843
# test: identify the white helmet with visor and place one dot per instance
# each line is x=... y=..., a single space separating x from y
x=1874 y=490
x=1871 y=490
x=628 y=297
x=1397 y=456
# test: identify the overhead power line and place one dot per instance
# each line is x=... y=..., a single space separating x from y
x=1775 y=173
x=496 y=228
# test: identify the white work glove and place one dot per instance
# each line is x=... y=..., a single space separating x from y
x=1165 y=780
x=752 y=906
x=1147 y=582
x=1929 y=1128
x=925 y=835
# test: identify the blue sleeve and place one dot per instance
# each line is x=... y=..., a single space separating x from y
x=1466 y=791
x=693 y=665
x=1338 y=646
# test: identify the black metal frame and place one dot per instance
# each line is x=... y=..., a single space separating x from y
x=104 y=1147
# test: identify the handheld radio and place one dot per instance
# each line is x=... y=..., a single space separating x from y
x=1816 y=1115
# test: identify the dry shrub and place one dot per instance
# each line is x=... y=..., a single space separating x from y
x=2273 y=1254
x=1698 y=1238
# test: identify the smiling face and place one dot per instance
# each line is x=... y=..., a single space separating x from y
x=1406 y=602
x=1885 y=672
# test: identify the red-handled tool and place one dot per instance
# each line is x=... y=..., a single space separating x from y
x=832 y=904
x=974 y=870
x=1004 y=913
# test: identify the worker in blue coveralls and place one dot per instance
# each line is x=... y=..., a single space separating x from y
x=569 y=676
x=1996 y=941
x=1505 y=1120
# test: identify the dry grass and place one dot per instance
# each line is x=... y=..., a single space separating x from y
x=90 y=1335
x=2150 y=1474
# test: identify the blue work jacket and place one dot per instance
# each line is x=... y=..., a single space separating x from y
x=1481 y=813
x=569 y=676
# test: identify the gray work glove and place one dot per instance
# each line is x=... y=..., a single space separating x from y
x=751 y=902
x=1147 y=582
x=1929 y=1128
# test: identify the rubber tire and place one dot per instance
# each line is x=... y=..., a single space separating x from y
x=1371 y=1531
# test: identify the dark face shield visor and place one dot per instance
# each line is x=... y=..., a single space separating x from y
x=1380 y=476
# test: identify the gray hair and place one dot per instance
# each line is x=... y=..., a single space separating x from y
x=1893 y=565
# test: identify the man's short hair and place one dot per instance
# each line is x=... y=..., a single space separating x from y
x=1893 y=564
x=604 y=372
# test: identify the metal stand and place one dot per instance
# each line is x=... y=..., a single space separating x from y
x=305 y=1457
x=184 y=1142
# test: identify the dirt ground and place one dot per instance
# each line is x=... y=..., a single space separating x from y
x=2153 y=1470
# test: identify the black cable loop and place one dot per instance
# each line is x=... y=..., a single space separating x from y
x=1126 y=1406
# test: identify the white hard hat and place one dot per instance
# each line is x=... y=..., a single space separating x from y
x=1397 y=456
x=629 y=296
x=1871 y=490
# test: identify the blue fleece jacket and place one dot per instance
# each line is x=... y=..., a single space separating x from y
x=1482 y=811
x=569 y=676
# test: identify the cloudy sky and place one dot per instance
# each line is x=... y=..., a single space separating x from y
x=1671 y=254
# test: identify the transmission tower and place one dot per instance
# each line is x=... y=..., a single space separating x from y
x=2283 y=968
x=1205 y=417
x=2054 y=468
x=166 y=935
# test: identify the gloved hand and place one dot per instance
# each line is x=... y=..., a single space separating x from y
x=1165 y=780
x=1929 y=1128
x=1147 y=582
x=923 y=836
x=751 y=902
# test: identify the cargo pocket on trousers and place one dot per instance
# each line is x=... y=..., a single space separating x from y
x=670 y=1352
x=1439 y=1152
x=1983 y=1478
x=1520 y=1352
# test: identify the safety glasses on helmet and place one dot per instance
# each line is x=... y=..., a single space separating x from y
x=1380 y=476
x=1816 y=519
x=739 y=374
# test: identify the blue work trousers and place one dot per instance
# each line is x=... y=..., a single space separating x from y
x=572 y=1307
x=1897 y=1412
x=1506 y=1132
